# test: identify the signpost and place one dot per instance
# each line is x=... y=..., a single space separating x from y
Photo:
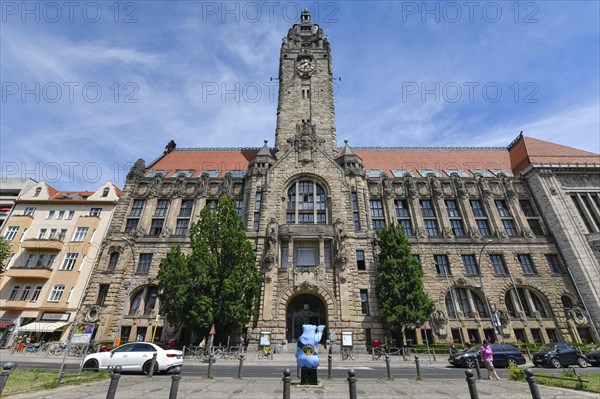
x=155 y=326
x=427 y=342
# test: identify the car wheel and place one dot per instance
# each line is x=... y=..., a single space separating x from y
x=470 y=362
x=91 y=364
x=555 y=363
x=147 y=365
x=582 y=362
x=511 y=362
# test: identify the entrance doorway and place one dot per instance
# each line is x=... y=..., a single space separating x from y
x=304 y=309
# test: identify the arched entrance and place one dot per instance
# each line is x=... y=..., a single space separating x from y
x=303 y=309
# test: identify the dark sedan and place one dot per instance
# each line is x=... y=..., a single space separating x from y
x=504 y=355
x=593 y=358
x=559 y=355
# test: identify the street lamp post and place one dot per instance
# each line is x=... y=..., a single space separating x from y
x=451 y=291
x=483 y=289
x=128 y=286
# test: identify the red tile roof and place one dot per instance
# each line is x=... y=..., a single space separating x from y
x=201 y=159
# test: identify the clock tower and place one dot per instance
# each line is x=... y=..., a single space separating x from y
x=305 y=86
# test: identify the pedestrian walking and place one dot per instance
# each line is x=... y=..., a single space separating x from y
x=488 y=359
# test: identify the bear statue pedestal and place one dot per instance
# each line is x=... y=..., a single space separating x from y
x=308 y=377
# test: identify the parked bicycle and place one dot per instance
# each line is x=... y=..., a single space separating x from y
x=265 y=352
x=348 y=353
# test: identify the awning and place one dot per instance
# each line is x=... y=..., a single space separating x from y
x=4 y=325
x=43 y=326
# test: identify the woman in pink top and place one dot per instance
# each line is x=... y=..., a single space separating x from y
x=488 y=359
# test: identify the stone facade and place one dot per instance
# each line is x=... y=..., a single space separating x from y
x=312 y=209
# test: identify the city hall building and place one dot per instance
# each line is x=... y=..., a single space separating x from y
x=517 y=225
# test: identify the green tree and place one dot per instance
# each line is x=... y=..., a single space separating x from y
x=402 y=300
x=218 y=282
x=5 y=253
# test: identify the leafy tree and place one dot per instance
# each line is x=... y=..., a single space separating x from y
x=5 y=253
x=218 y=282
x=402 y=300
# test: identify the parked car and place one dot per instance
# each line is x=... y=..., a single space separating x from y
x=135 y=356
x=504 y=355
x=559 y=354
x=593 y=358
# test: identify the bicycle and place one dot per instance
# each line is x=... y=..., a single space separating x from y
x=195 y=351
x=265 y=353
x=348 y=353
x=377 y=352
x=57 y=348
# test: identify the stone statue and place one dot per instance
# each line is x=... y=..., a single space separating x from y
x=271 y=256
x=307 y=353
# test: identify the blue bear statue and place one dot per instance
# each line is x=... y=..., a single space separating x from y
x=307 y=353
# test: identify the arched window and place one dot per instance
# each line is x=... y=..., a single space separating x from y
x=469 y=303
x=567 y=302
x=538 y=304
x=146 y=298
x=306 y=203
x=136 y=302
x=527 y=300
x=105 y=192
x=37 y=192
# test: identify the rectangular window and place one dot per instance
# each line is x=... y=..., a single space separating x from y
x=137 y=207
x=29 y=260
x=61 y=214
x=50 y=215
x=463 y=301
x=144 y=263
x=407 y=225
x=502 y=208
x=431 y=227
x=442 y=265
x=257 y=201
x=11 y=232
x=185 y=211
x=53 y=234
x=457 y=227
x=356 y=221
x=112 y=263
x=427 y=209
x=360 y=260
x=95 y=212
x=284 y=255
x=401 y=207
x=536 y=227
x=452 y=209
x=478 y=210
x=364 y=302
x=377 y=214
x=528 y=209
x=256 y=221
x=239 y=207
x=56 y=293
x=156 y=227
x=162 y=206
x=470 y=265
x=509 y=227
x=36 y=293
x=29 y=211
x=182 y=227
x=306 y=257
x=102 y=294
x=80 y=234
x=70 y=215
x=42 y=234
x=554 y=263
x=498 y=265
x=327 y=255
x=526 y=264
x=418 y=259
x=13 y=293
x=25 y=293
x=131 y=225
x=354 y=201
x=484 y=228
x=69 y=262
x=257 y=206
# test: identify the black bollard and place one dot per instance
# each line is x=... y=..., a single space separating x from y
x=433 y=351
x=6 y=369
x=210 y=362
x=535 y=392
x=352 y=383
x=175 y=382
x=114 y=381
x=329 y=364
x=152 y=365
x=287 y=382
x=403 y=354
x=477 y=368
x=240 y=366
x=418 y=365
x=472 y=384
x=298 y=371
x=387 y=366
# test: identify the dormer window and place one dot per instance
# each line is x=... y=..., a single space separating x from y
x=37 y=192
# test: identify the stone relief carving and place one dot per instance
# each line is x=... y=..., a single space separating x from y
x=439 y=318
x=155 y=187
x=203 y=185
x=577 y=315
x=388 y=190
x=504 y=317
x=226 y=187
x=166 y=232
x=420 y=232
x=305 y=141
x=411 y=186
x=136 y=171
x=475 y=233
x=459 y=186
x=448 y=233
x=508 y=187
x=272 y=238
x=341 y=256
x=436 y=187
x=528 y=233
x=484 y=186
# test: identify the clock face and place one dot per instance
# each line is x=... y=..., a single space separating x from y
x=305 y=65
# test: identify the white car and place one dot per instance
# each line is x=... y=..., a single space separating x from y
x=135 y=356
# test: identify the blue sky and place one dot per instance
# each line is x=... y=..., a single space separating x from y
x=89 y=88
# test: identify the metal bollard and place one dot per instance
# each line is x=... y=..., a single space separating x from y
x=433 y=351
x=403 y=354
x=472 y=384
x=6 y=369
x=287 y=381
x=298 y=371
x=535 y=392
x=240 y=366
x=477 y=368
x=418 y=365
x=329 y=364
x=114 y=381
x=152 y=365
x=352 y=383
x=387 y=366
x=175 y=382
x=210 y=362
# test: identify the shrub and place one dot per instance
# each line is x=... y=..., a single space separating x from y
x=516 y=373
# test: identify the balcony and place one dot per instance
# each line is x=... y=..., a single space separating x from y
x=41 y=244
x=21 y=272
